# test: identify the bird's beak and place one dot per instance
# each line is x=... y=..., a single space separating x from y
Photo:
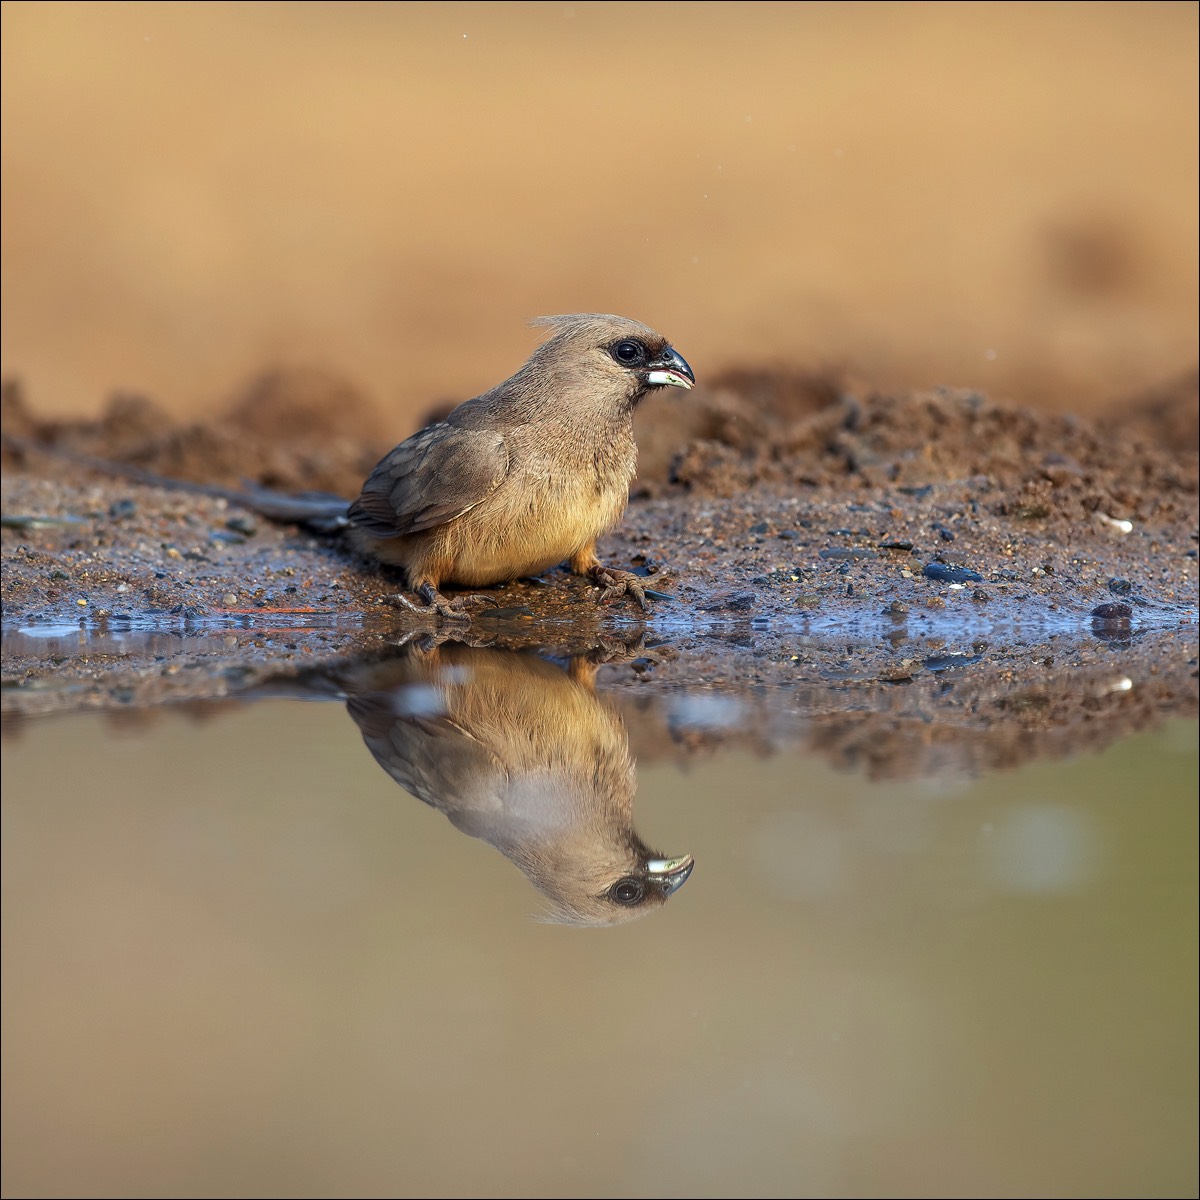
x=670 y=370
x=671 y=873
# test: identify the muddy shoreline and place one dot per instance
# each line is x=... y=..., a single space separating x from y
x=1015 y=574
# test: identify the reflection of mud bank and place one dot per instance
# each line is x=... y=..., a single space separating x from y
x=931 y=708
x=895 y=707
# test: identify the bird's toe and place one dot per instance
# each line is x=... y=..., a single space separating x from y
x=435 y=604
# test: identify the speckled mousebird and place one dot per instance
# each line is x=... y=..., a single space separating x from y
x=529 y=474
x=524 y=755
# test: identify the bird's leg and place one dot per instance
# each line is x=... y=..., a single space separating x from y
x=582 y=668
x=435 y=602
x=612 y=583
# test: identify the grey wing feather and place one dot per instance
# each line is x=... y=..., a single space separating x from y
x=433 y=758
x=436 y=475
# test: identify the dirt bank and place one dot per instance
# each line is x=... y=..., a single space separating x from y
x=1013 y=574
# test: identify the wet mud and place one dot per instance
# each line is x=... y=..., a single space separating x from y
x=882 y=577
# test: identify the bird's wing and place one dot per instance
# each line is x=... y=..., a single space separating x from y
x=436 y=475
x=434 y=758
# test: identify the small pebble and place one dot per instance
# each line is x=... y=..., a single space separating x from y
x=945 y=573
x=18 y=521
x=242 y=525
x=1114 y=524
x=737 y=602
x=1112 y=612
x=1032 y=512
x=947 y=662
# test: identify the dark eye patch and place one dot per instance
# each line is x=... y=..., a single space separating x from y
x=628 y=891
x=629 y=352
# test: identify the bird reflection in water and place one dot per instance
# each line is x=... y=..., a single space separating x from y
x=524 y=755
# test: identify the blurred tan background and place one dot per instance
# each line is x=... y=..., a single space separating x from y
x=999 y=196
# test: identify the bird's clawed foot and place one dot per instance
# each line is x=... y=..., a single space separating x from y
x=615 y=584
x=615 y=650
x=435 y=603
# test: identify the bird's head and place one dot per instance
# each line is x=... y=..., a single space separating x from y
x=599 y=884
x=612 y=356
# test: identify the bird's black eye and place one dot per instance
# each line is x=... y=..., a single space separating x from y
x=629 y=353
x=627 y=892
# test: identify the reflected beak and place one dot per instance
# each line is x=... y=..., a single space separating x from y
x=671 y=873
x=670 y=369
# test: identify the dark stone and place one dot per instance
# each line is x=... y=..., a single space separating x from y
x=945 y=573
x=242 y=525
x=1112 y=612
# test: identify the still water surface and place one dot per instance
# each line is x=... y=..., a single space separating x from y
x=240 y=960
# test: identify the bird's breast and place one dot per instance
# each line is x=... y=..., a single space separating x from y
x=550 y=506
